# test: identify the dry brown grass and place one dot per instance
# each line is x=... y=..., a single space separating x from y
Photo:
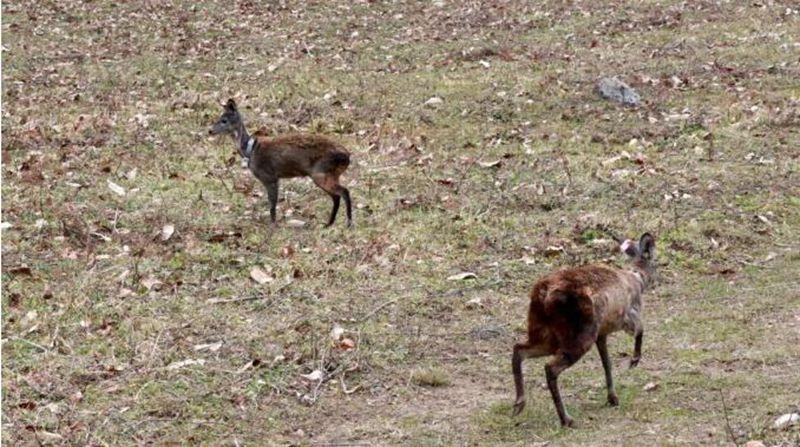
x=112 y=336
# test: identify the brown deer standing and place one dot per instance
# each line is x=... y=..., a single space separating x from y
x=572 y=309
x=295 y=155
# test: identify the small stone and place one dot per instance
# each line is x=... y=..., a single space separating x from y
x=650 y=386
x=615 y=90
x=488 y=331
x=754 y=443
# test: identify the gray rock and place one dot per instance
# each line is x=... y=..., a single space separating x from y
x=488 y=331
x=616 y=90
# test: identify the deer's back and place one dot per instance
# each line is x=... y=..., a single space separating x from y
x=295 y=155
x=577 y=298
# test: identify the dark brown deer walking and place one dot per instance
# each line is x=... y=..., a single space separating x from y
x=572 y=309
x=295 y=155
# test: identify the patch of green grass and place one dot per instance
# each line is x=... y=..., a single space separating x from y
x=431 y=377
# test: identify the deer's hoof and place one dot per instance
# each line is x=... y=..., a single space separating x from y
x=518 y=407
x=613 y=400
x=568 y=422
x=634 y=362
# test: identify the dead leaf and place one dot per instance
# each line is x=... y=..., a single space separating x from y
x=313 y=376
x=20 y=270
x=213 y=347
x=14 y=299
x=260 y=276
x=650 y=386
x=554 y=250
x=616 y=158
x=462 y=276
x=474 y=303
x=220 y=237
x=187 y=362
x=151 y=283
x=490 y=164
x=167 y=231
x=347 y=344
x=434 y=101
x=786 y=420
x=337 y=332
x=295 y=223
x=251 y=364
x=27 y=405
x=30 y=317
x=47 y=437
x=116 y=189
x=287 y=251
x=77 y=396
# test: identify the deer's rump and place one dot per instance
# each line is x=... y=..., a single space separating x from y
x=559 y=316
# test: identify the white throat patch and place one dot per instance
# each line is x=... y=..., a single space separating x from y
x=248 y=152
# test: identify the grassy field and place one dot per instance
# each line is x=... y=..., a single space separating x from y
x=115 y=334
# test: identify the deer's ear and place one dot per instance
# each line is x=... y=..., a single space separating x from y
x=647 y=246
x=230 y=105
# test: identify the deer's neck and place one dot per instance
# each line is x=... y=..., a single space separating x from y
x=242 y=138
x=644 y=271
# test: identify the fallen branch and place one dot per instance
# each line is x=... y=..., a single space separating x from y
x=29 y=343
x=246 y=298
x=377 y=309
x=233 y=300
x=344 y=387
x=727 y=421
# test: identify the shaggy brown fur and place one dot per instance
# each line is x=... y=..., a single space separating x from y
x=572 y=309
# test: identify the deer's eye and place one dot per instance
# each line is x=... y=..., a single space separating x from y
x=224 y=121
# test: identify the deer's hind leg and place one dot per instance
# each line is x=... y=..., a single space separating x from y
x=573 y=347
x=522 y=351
x=329 y=182
x=602 y=348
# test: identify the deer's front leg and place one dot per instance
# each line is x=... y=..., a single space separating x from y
x=636 y=329
x=271 y=184
x=272 y=194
